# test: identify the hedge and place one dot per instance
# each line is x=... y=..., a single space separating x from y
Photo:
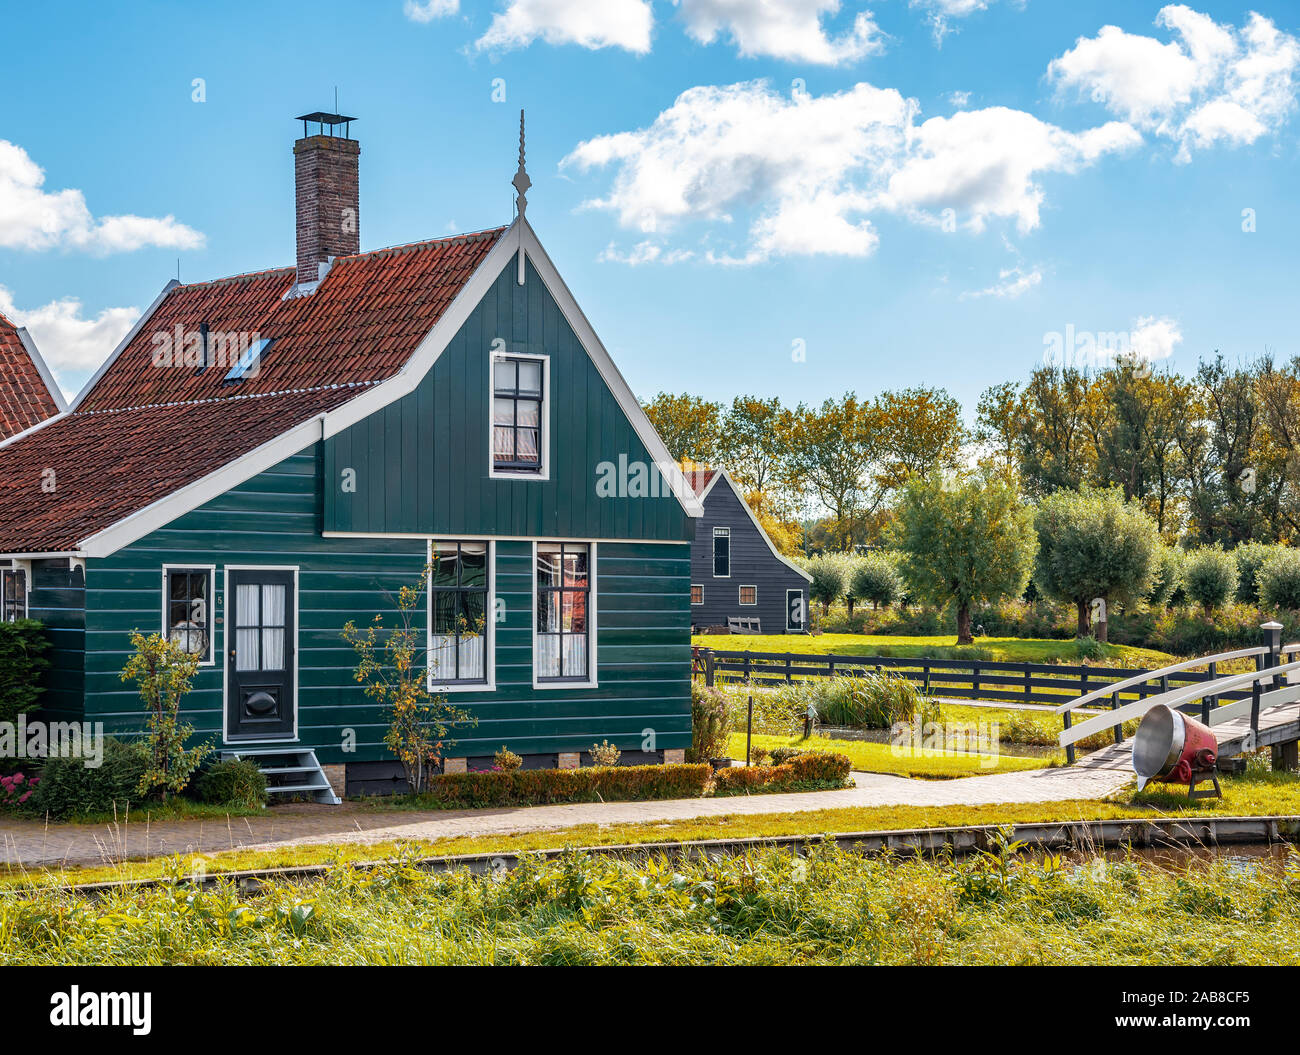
x=22 y=662
x=812 y=771
x=539 y=787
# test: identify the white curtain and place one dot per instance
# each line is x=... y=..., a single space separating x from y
x=248 y=653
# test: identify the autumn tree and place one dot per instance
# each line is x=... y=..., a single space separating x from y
x=964 y=540
x=1093 y=544
x=690 y=427
x=919 y=431
x=832 y=449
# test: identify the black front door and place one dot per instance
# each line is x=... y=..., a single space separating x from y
x=260 y=640
x=794 y=611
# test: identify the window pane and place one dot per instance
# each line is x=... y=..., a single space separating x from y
x=504 y=376
x=528 y=446
x=273 y=649
x=273 y=605
x=473 y=658
x=548 y=611
x=247 y=653
x=575 y=656
x=529 y=413
x=548 y=656
x=444 y=612
x=246 y=606
x=442 y=656
x=446 y=563
x=548 y=563
x=473 y=566
x=503 y=411
x=530 y=376
x=503 y=443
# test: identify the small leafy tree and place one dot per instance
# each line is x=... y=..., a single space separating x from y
x=876 y=579
x=1210 y=577
x=1279 y=579
x=164 y=672
x=827 y=585
x=964 y=540
x=393 y=664
x=1250 y=557
x=1166 y=576
x=1091 y=543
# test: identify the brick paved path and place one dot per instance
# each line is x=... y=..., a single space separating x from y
x=34 y=845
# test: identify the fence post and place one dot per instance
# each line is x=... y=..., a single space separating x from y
x=1028 y=687
x=974 y=680
x=925 y=670
x=1118 y=729
x=1255 y=692
x=749 y=727
x=1273 y=642
x=747 y=666
x=708 y=667
x=1069 y=748
x=1209 y=702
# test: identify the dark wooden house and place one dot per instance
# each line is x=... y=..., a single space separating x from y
x=738 y=577
x=268 y=456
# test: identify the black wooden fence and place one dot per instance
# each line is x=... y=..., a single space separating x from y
x=963 y=679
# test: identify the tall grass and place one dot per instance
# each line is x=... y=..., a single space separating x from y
x=766 y=907
x=875 y=701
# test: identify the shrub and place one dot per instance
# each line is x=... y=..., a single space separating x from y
x=710 y=723
x=874 y=702
x=1249 y=558
x=1166 y=576
x=506 y=759
x=1210 y=577
x=16 y=789
x=232 y=782
x=807 y=771
x=537 y=787
x=69 y=788
x=163 y=670
x=827 y=585
x=1279 y=580
x=876 y=579
x=605 y=754
x=781 y=755
x=22 y=661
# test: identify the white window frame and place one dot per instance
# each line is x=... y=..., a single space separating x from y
x=297 y=653
x=12 y=564
x=720 y=532
x=697 y=586
x=803 y=604
x=593 y=655
x=490 y=659
x=544 y=440
x=211 y=570
x=740 y=593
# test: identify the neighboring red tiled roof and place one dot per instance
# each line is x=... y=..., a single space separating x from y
x=698 y=479
x=24 y=398
x=145 y=431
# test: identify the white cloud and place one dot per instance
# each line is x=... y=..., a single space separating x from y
x=644 y=252
x=807 y=171
x=1012 y=282
x=430 y=10
x=70 y=343
x=34 y=218
x=940 y=13
x=959 y=100
x=782 y=29
x=589 y=23
x=1214 y=83
x=1153 y=338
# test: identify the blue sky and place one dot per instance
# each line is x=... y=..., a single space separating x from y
x=910 y=192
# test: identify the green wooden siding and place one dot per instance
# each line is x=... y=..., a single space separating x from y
x=643 y=644
x=421 y=464
x=57 y=599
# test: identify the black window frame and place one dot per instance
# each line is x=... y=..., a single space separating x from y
x=718 y=534
x=209 y=575
x=517 y=466
x=541 y=591
x=13 y=594
x=438 y=677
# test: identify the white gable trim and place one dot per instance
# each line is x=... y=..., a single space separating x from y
x=89 y=386
x=56 y=393
x=722 y=474
x=519 y=237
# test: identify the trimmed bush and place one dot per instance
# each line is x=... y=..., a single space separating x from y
x=539 y=787
x=232 y=782
x=1250 y=557
x=1279 y=580
x=876 y=580
x=806 y=771
x=22 y=662
x=68 y=788
x=828 y=577
x=1210 y=577
x=1166 y=576
x=710 y=724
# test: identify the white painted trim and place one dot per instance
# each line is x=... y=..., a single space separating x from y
x=544 y=442
x=490 y=652
x=225 y=665
x=803 y=601
x=496 y=538
x=593 y=655
x=739 y=595
x=701 y=586
x=720 y=532
x=56 y=393
x=754 y=520
x=211 y=569
x=123 y=344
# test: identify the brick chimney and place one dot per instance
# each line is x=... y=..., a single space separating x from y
x=326 y=167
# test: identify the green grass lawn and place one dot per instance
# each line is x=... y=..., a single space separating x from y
x=868 y=757
x=1009 y=649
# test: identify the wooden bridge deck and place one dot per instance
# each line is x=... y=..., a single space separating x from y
x=1277 y=725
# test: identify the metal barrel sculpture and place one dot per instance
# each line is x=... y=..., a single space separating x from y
x=1172 y=747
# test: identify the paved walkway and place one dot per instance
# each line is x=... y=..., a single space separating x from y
x=33 y=845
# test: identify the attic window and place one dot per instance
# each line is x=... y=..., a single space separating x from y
x=250 y=362
x=519 y=415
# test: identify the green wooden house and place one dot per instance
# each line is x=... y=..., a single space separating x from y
x=268 y=456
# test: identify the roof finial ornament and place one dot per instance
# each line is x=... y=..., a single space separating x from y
x=521 y=181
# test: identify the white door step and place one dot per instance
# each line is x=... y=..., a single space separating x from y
x=298 y=765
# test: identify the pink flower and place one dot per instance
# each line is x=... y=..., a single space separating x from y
x=18 y=778
x=25 y=797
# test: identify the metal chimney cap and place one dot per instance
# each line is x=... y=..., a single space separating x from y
x=332 y=121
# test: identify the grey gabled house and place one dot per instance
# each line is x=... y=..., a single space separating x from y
x=738 y=577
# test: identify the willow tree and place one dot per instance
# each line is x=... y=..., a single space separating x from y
x=1093 y=544
x=964 y=540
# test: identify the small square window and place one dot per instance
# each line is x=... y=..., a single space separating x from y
x=187 y=610
x=749 y=595
x=697 y=594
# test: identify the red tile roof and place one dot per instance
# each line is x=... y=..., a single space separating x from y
x=698 y=479
x=144 y=431
x=24 y=398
